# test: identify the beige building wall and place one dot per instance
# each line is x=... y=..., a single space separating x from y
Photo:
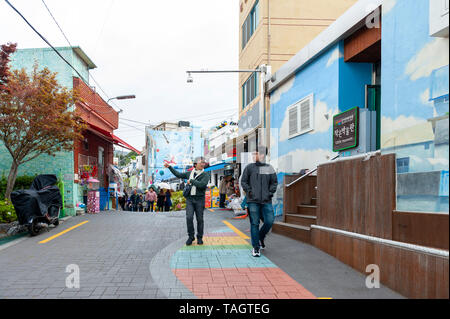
x=293 y=24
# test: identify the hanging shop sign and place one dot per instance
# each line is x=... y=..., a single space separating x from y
x=345 y=130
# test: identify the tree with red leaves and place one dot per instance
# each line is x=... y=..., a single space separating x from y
x=35 y=115
x=5 y=51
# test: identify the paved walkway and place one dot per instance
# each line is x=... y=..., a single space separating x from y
x=142 y=255
x=224 y=268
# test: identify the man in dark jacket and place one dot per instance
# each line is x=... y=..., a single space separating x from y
x=135 y=201
x=195 y=202
x=259 y=181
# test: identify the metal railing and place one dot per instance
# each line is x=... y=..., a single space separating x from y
x=309 y=173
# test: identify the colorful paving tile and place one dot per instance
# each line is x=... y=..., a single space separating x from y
x=224 y=268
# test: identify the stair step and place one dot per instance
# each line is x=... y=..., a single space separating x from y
x=302 y=220
x=297 y=232
x=307 y=209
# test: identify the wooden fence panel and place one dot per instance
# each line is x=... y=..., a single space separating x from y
x=358 y=195
x=412 y=273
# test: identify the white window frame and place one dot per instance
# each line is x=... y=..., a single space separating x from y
x=297 y=104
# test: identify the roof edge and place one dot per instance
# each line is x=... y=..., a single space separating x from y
x=350 y=21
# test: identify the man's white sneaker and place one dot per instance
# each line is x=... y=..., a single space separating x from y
x=256 y=253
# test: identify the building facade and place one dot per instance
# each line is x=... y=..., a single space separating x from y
x=271 y=32
x=90 y=157
x=395 y=73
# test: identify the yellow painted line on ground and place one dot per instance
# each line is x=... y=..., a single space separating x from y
x=324 y=298
x=63 y=232
x=237 y=231
x=223 y=241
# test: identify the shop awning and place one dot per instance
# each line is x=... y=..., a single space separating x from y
x=215 y=167
x=120 y=142
x=114 y=139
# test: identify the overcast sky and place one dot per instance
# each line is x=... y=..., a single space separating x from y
x=144 y=47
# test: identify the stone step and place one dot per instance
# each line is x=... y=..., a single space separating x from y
x=293 y=231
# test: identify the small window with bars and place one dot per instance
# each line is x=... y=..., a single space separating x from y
x=301 y=117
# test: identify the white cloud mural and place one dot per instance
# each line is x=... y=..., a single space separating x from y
x=389 y=125
x=334 y=57
x=276 y=96
x=300 y=159
x=432 y=56
x=425 y=99
x=321 y=123
x=388 y=5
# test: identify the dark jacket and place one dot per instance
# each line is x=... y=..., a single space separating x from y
x=168 y=201
x=135 y=199
x=259 y=181
x=199 y=182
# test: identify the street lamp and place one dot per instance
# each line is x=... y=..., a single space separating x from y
x=122 y=97
x=263 y=69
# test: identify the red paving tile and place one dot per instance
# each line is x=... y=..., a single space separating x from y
x=242 y=283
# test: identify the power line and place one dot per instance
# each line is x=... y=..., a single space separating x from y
x=103 y=26
x=137 y=128
x=95 y=81
x=60 y=29
x=46 y=41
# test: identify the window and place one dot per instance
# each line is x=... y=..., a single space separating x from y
x=250 y=90
x=301 y=117
x=403 y=165
x=250 y=24
x=86 y=144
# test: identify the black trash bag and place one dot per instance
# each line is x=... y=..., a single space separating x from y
x=35 y=202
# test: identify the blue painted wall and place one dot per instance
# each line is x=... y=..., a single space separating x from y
x=414 y=76
x=336 y=86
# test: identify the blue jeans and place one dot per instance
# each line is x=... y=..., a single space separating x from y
x=256 y=212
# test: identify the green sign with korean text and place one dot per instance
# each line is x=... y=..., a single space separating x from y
x=345 y=130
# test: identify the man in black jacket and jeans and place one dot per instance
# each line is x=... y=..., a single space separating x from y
x=259 y=181
x=195 y=201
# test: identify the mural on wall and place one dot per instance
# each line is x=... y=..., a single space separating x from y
x=305 y=151
x=414 y=100
x=173 y=147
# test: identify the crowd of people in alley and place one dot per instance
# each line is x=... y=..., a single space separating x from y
x=149 y=201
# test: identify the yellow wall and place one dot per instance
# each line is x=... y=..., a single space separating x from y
x=293 y=24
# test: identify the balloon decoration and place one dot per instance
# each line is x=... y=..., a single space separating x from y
x=161 y=173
